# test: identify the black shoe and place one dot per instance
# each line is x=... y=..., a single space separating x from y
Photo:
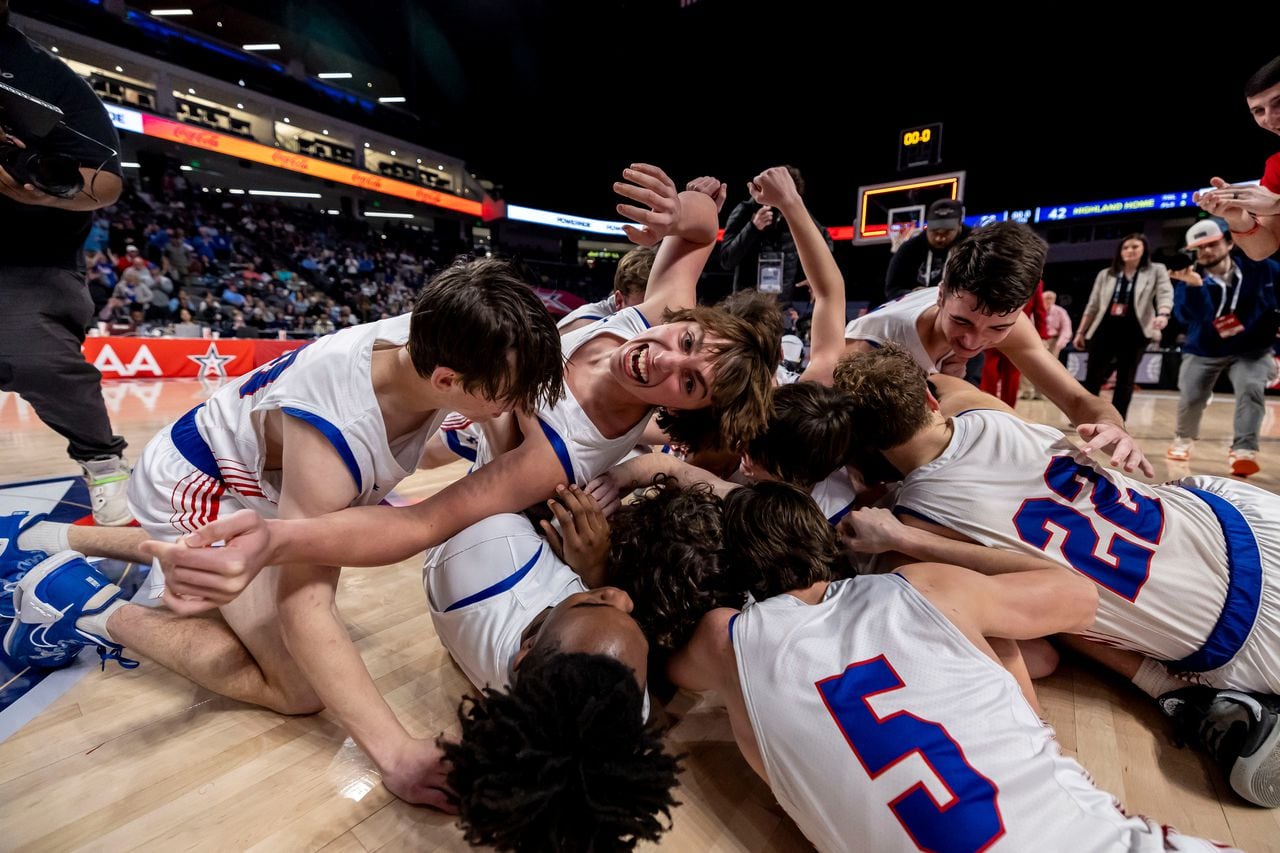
x=1240 y=730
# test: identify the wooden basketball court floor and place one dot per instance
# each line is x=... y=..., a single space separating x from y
x=143 y=759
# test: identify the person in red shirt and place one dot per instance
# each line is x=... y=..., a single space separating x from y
x=1252 y=211
x=1000 y=376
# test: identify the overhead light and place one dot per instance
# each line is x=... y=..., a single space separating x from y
x=419 y=161
x=120 y=69
x=185 y=168
x=286 y=119
x=332 y=212
x=264 y=46
x=379 y=215
x=370 y=85
x=239 y=106
x=191 y=91
x=366 y=145
x=441 y=168
x=325 y=132
x=393 y=152
x=334 y=75
x=395 y=99
x=124 y=164
x=204 y=189
x=217 y=189
x=236 y=192
x=241 y=82
x=284 y=194
x=54 y=48
x=160 y=13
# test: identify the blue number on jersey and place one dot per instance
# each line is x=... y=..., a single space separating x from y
x=269 y=372
x=971 y=820
x=1144 y=520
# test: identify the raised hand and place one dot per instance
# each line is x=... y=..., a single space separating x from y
x=709 y=186
x=649 y=186
x=775 y=187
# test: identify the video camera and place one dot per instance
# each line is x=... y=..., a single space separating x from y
x=28 y=118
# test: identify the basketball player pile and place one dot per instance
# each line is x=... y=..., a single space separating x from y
x=863 y=564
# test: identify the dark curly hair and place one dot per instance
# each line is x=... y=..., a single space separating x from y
x=562 y=761
x=664 y=550
x=809 y=434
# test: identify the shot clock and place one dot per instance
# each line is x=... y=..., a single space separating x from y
x=920 y=146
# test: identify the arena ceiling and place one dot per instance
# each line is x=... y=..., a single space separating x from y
x=551 y=99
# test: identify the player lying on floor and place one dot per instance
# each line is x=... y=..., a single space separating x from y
x=887 y=684
x=1188 y=572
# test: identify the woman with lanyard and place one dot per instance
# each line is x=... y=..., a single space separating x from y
x=1128 y=308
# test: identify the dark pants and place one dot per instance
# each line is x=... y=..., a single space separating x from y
x=1121 y=353
x=43 y=315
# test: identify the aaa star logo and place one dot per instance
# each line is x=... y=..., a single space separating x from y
x=212 y=362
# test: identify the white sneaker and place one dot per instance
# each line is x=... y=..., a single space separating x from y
x=1243 y=463
x=108 y=481
x=1180 y=450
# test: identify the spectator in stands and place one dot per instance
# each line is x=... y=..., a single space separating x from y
x=758 y=247
x=1252 y=212
x=126 y=260
x=132 y=289
x=1228 y=303
x=232 y=295
x=210 y=312
x=177 y=257
x=1128 y=309
x=919 y=261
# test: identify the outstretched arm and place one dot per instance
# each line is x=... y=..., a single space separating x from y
x=1096 y=420
x=356 y=536
x=1252 y=213
x=876 y=530
x=776 y=187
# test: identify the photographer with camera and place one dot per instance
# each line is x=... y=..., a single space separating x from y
x=58 y=162
x=759 y=248
x=1228 y=303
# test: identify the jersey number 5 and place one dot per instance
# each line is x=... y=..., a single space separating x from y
x=1130 y=564
x=971 y=820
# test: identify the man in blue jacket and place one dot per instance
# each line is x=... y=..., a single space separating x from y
x=1228 y=303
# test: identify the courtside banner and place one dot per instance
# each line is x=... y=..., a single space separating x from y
x=162 y=358
x=232 y=146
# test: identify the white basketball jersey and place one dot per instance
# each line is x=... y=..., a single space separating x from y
x=583 y=452
x=515 y=577
x=784 y=375
x=882 y=728
x=592 y=311
x=895 y=322
x=835 y=495
x=1158 y=554
x=327 y=384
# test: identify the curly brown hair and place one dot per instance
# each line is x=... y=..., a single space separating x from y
x=888 y=393
x=664 y=550
x=742 y=390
